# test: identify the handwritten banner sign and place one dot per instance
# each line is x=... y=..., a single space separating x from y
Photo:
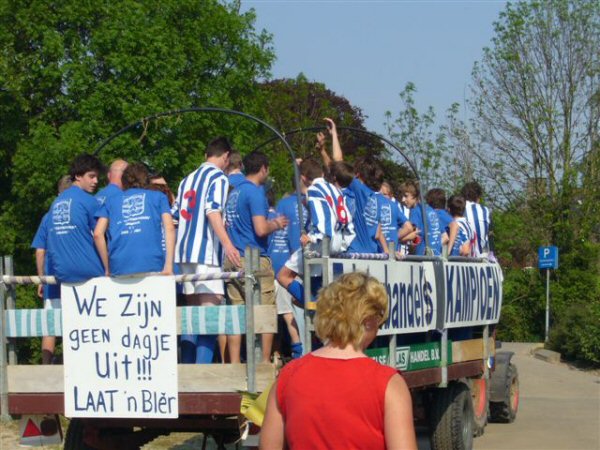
x=411 y=292
x=120 y=348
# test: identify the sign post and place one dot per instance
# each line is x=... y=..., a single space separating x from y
x=548 y=259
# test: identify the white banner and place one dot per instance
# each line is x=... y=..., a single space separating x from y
x=411 y=291
x=120 y=348
x=473 y=294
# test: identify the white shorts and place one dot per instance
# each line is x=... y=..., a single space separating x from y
x=283 y=299
x=52 y=303
x=201 y=287
x=296 y=263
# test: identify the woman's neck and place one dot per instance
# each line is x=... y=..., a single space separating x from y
x=330 y=350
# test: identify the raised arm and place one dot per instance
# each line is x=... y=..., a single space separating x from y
x=337 y=153
x=320 y=145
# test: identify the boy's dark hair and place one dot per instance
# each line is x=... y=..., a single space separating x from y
x=85 y=163
x=135 y=176
x=472 y=191
x=370 y=172
x=217 y=147
x=436 y=198
x=254 y=161
x=456 y=205
x=410 y=187
x=164 y=188
x=311 y=169
x=342 y=173
x=235 y=161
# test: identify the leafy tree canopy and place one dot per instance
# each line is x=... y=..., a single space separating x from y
x=72 y=73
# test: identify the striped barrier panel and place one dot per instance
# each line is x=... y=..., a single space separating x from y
x=199 y=320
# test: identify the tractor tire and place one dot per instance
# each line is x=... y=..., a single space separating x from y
x=505 y=411
x=74 y=436
x=451 y=418
x=480 y=398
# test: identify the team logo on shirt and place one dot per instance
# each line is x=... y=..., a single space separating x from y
x=133 y=206
x=61 y=212
x=386 y=215
x=371 y=211
x=231 y=207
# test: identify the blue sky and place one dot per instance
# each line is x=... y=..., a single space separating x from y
x=368 y=50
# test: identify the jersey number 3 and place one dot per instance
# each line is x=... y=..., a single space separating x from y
x=190 y=196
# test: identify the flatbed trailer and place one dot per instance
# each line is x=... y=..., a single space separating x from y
x=439 y=334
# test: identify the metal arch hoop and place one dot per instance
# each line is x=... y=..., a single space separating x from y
x=209 y=109
x=412 y=166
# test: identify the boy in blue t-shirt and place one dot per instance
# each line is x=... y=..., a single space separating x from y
x=114 y=186
x=436 y=198
x=234 y=170
x=280 y=248
x=247 y=224
x=361 y=197
x=50 y=293
x=399 y=226
x=71 y=224
x=410 y=197
x=135 y=220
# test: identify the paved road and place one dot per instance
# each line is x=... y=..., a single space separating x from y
x=559 y=408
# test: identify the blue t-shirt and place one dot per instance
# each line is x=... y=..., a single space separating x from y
x=107 y=192
x=434 y=231
x=235 y=179
x=244 y=202
x=70 y=236
x=40 y=240
x=284 y=242
x=278 y=250
x=135 y=227
x=288 y=207
x=445 y=219
x=365 y=215
x=391 y=218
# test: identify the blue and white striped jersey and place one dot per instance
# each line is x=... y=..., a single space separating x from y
x=329 y=216
x=465 y=234
x=203 y=191
x=479 y=218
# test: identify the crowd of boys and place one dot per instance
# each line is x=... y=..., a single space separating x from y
x=135 y=225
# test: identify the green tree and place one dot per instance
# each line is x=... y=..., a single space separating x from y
x=72 y=73
x=535 y=126
x=291 y=104
x=418 y=135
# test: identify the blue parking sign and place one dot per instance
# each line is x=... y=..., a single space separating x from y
x=548 y=257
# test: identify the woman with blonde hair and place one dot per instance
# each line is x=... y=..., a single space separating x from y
x=336 y=396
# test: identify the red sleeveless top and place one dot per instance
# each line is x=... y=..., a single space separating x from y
x=331 y=403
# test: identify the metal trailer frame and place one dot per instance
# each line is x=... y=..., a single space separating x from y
x=437 y=377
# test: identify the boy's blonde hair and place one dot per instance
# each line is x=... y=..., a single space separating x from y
x=343 y=306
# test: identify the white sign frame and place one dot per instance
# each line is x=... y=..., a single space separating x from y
x=120 y=348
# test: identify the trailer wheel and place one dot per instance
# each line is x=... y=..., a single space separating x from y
x=74 y=436
x=480 y=400
x=451 y=418
x=505 y=411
